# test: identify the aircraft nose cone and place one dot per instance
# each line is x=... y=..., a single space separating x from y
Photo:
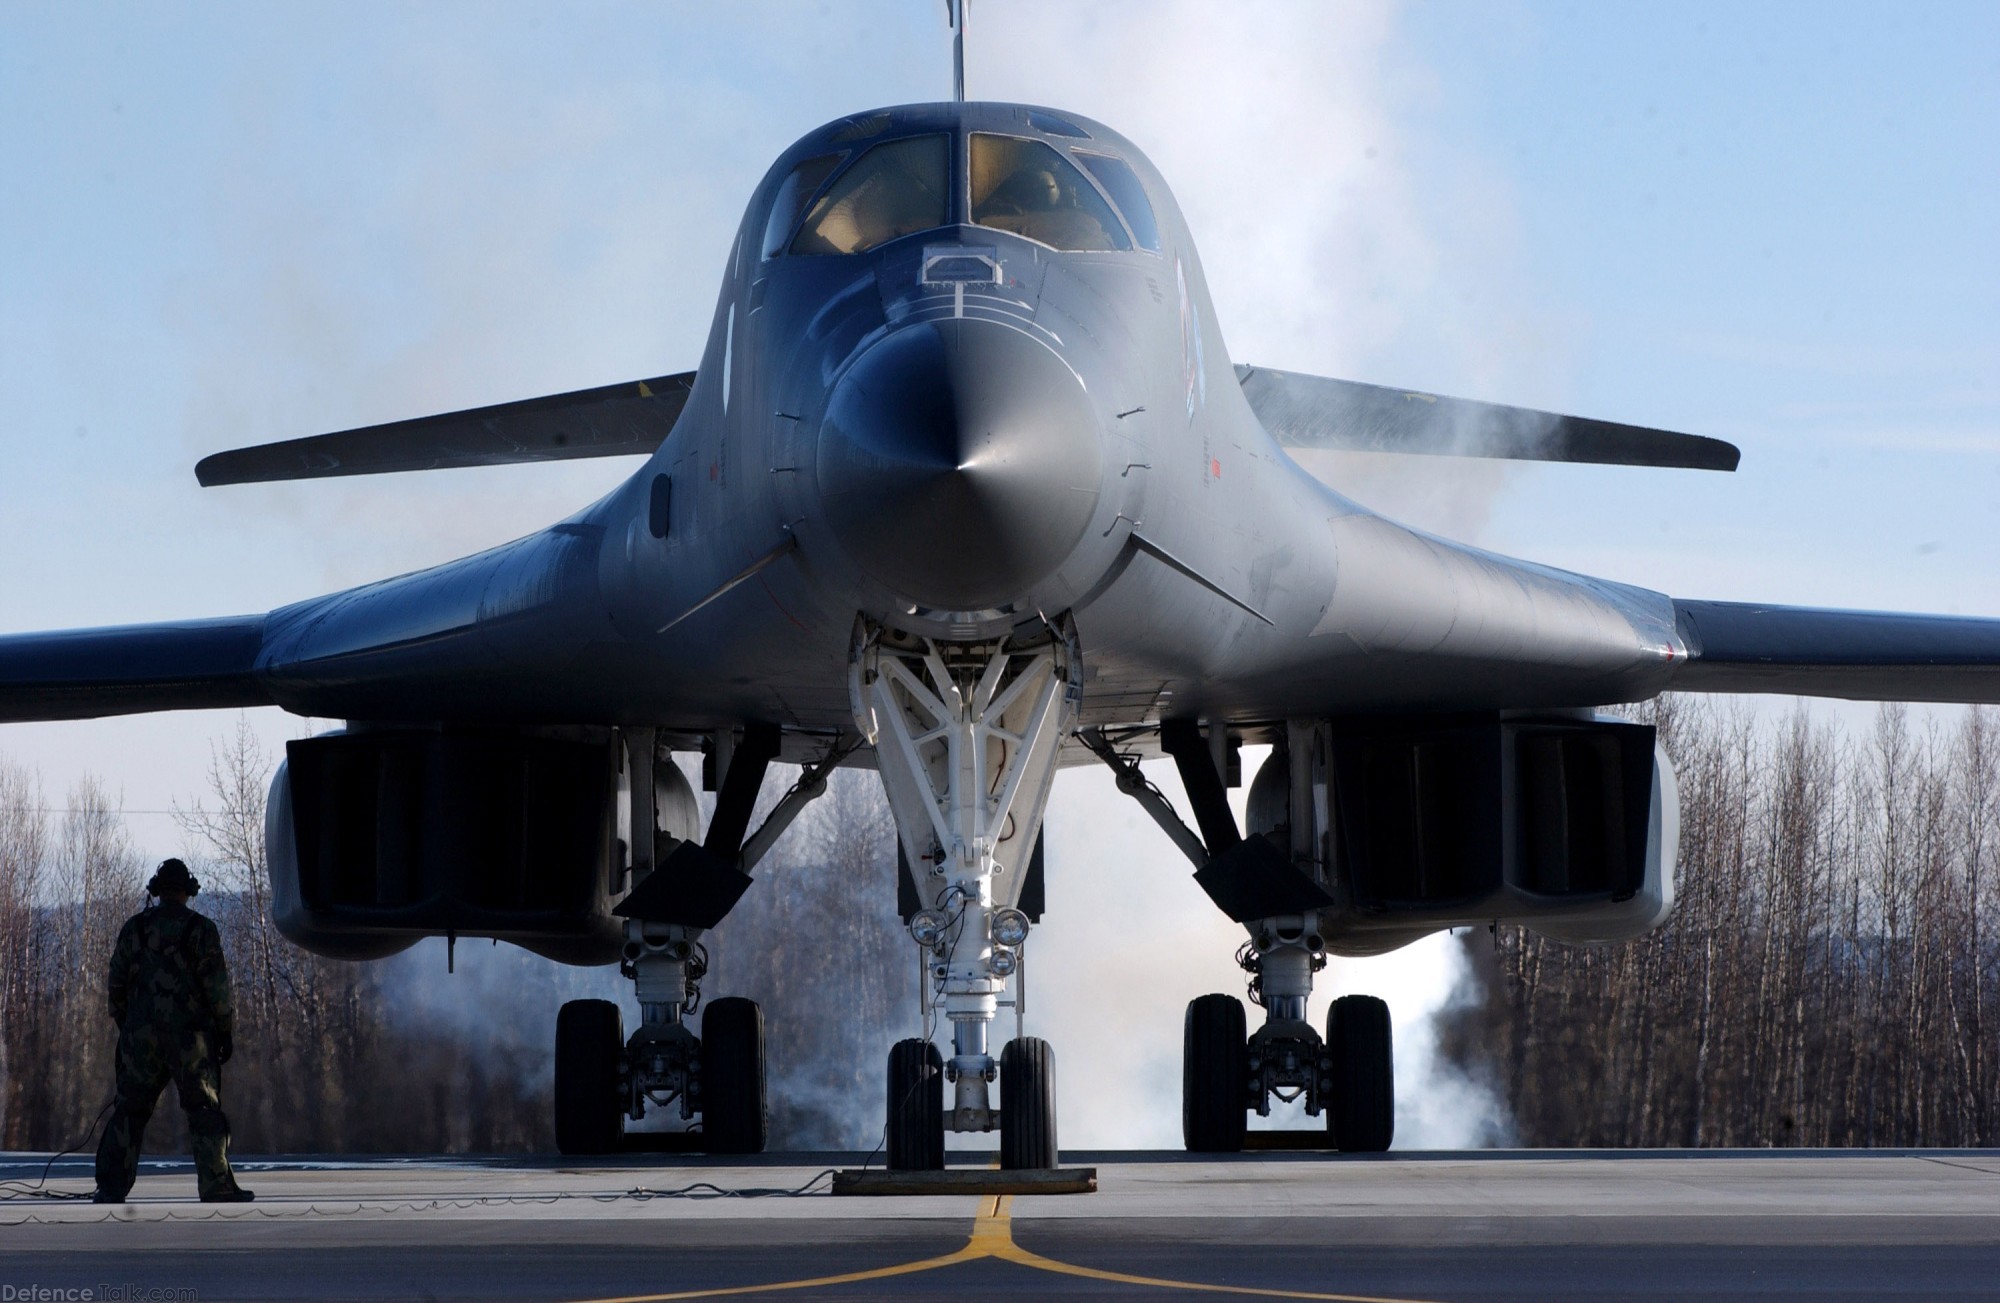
x=959 y=462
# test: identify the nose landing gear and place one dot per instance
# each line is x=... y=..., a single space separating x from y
x=915 y=1138
x=966 y=738
x=1027 y=1104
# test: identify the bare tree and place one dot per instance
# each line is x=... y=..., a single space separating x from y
x=24 y=853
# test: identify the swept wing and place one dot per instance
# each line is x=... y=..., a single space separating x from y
x=1303 y=411
x=1863 y=655
x=629 y=419
x=85 y=673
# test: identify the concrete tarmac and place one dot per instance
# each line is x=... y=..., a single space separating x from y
x=1407 y=1226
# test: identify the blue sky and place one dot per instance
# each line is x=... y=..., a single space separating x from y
x=223 y=224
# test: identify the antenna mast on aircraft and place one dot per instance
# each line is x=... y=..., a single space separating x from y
x=955 y=15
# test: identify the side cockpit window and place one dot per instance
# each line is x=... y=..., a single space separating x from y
x=793 y=196
x=897 y=188
x=1026 y=187
x=1118 y=180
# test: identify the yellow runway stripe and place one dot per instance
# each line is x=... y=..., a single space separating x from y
x=993 y=1237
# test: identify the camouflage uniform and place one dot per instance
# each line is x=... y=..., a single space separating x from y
x=169 y=994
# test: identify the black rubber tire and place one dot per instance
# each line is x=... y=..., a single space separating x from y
x=915 y=1137
x=1028 y=1104
x=590 y=1115
x=1214 y=1072
x=1362 y=1114
x=734 y=1115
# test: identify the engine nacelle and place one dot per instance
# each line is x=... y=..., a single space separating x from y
x=379 y=837
x=1568 y=825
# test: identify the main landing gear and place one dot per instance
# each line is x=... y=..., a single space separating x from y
x=1348 y=1077
x=715 y=1077
x=966 y=737
x=1274 y=883
x=719 y=1076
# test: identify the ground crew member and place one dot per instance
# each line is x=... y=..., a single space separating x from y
x=169 y=994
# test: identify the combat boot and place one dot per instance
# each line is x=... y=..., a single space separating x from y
x=234 y=1194
x=105 y=1196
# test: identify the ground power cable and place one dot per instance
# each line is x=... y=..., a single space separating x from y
x=358 y=1207
x=19 y=1190
x=14 y=1190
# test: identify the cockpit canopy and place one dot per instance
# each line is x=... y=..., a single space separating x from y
x=1070 y=199
x=897 y=188
x=1026 y=187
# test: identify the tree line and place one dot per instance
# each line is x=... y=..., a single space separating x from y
x=1828 y=975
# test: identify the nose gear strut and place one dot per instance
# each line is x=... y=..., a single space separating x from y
x=966 y=737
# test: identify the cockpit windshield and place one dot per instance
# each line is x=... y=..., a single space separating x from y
x=897 y=188
x=1026 y=187
x=792 y=198
x=1118 y=180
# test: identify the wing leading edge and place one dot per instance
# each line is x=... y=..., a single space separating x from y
x=87 y=673
x=1861 y=655
x=630 y=419
x=1303 y=411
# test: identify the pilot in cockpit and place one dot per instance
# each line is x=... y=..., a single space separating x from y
x=1029 y=191
x=1025 y=187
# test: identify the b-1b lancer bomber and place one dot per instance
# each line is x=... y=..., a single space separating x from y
x=967 y=489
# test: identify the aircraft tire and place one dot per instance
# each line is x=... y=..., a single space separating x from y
x=915 y=1132
x=1214 y=1066
x=1362 y=1115
x=734 y=1115
x=590 y=1038
x=1028 y=1104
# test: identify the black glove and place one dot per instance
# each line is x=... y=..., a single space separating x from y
x=225 y=1047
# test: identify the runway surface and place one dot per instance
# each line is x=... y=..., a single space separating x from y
x=1487 y=1226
